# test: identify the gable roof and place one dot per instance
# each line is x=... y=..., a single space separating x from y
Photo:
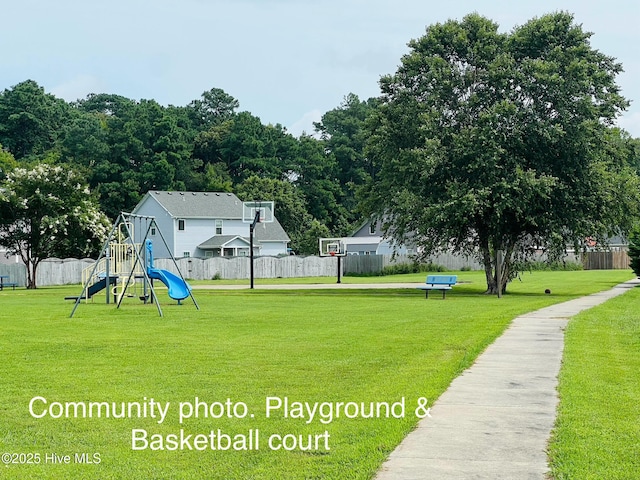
x=211 y=205
x=219 y=241
x=221 y=205
x=270 y=232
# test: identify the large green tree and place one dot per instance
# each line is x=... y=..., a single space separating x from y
x=290 y=209
x=491 y=142
x=48 y=211
x=137 y=146
x=315 y=172
x=246 y=147
x=7 y=162
x=343 y=134
x=30 y=119
x=212 y=108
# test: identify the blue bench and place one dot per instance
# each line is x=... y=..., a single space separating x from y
x=4 y=283
x=438 y=282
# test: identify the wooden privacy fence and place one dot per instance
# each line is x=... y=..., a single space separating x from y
x=371 y=264
x=69 y=271
x=292 y=266
x=614 y=260
x=16 y=272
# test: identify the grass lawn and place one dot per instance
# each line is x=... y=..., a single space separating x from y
x=597 y=434
x=239 y=349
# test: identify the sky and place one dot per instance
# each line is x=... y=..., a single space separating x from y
x=286 y=61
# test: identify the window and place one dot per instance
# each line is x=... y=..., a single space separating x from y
x=180 y=224
x=372 y=228
x=186 y=254
x=218 y=227
x=153 y=231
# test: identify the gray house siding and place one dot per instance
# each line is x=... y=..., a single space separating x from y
x=201 y=214
x=369 y=240
x=165 y=223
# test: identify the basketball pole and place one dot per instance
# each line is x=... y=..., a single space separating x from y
x=339 y=268
x=256 y=219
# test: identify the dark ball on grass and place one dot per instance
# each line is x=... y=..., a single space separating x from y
x=547 y=291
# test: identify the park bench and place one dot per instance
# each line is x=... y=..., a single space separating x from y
x=438 y=282
x=4 y=284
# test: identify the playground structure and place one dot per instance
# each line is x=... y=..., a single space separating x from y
x=125 y=268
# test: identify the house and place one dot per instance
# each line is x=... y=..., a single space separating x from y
x=205 y=224
x=369 y=239
x=7 y=258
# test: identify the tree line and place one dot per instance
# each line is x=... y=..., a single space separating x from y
x=125 y=147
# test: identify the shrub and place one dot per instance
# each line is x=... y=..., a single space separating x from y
x=403 y=268
x=539 y=265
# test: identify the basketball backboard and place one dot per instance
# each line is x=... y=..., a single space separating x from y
x=332 y=247
x=249 y=210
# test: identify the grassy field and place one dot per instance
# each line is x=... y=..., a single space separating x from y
x=241 y=348
x=597 y=434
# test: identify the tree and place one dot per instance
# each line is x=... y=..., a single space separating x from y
x=30 y=119
x=488 y=142
x=7 y=163
x=290 y=208
x=315 y=172
x=139 y=146
x=246 y=147
x=214 y=107
x=343 y=134
x=634 y=250
x=48 y=211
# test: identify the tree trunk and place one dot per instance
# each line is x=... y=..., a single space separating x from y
x=492 y=284
x=31 y=273
x=491 y=274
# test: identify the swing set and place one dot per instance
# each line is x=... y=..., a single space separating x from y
x=125 y=268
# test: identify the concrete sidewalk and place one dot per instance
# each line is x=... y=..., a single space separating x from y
x=310 y=286
x=494 y=421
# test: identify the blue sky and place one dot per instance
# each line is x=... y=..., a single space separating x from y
x=285 y=61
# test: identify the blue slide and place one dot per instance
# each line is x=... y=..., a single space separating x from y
x=178 y=288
